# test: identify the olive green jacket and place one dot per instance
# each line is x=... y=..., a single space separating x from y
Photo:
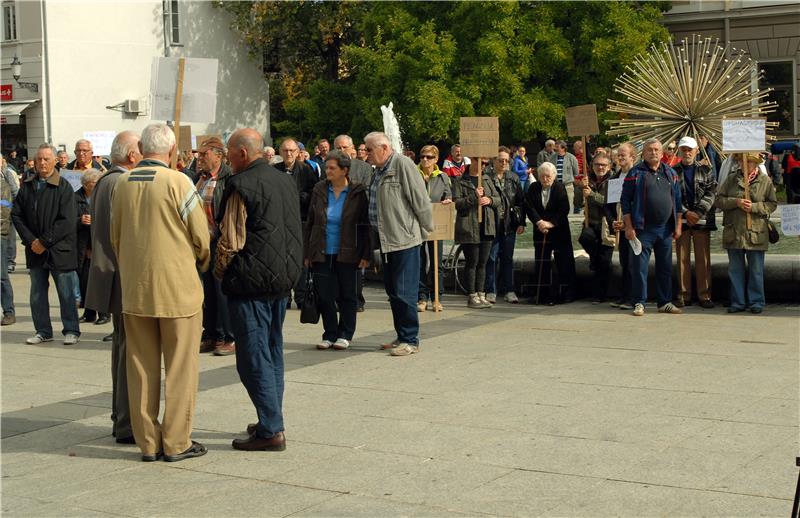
x=735 y=234
x=468 y=230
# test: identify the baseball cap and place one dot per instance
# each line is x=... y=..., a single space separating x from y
x=688 y=142
x=211 y=143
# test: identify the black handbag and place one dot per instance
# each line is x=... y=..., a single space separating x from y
x=774 y=236
x=588 y=240
x=309 y=312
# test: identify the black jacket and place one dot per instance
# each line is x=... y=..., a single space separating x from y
x=270 y=262
x=48 y=215
x=555 y=212
x=513 y=214
x=83 y=240
x=304 y=180
x=354 y=243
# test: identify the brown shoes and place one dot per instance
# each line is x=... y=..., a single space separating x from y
x=224 y=348
x=208 y=345
x=254 y=443
x=8 y=319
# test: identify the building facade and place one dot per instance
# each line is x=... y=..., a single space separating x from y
x=767 y=30
x=87 y=67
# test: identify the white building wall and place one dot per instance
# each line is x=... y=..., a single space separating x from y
x=100 y=54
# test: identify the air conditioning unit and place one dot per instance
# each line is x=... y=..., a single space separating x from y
x=132 y=106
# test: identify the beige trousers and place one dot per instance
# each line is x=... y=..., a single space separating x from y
x=702 y=263
x=177 y=340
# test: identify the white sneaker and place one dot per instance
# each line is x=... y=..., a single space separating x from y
x=341 y=344
x=511 y=298
x=491 y=298
x=325 y=344
x=37 y=339
x=484 y=300
x=71 y=339
x=404 y=350
x=638 y=310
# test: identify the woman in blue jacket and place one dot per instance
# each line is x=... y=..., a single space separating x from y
x=520 y=166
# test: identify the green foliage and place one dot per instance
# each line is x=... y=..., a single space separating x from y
x=332 y=64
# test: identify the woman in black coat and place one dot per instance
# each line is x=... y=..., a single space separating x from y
x=547 y=206
x=83 y=199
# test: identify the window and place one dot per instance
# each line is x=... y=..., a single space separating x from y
x=778 y=76
x=173 y=25
x=9 y=21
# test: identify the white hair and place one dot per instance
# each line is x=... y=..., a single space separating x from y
x=84 y=141
x=157 y=139
x=345 y=138
x=378 y=137
x=651 y=141
x=546 y=167
x=90 y=175
x=123 y=144
x=550 y=142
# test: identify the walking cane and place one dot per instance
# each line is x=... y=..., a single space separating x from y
x=539 y=281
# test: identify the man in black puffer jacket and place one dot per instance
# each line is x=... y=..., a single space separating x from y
x=259 y=258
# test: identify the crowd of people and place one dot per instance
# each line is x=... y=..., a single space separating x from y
x=210 y=256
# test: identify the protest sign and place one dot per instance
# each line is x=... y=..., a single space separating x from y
x=73 y=177
x=443 y=222
x=582 y=120
x=614 y=190
x=790 y=219
x=479 y=136
x=744 y=135
x=198 y=99
x=185 y=138
x=101 y=141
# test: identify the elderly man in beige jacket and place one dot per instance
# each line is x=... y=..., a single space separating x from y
x=159 y=234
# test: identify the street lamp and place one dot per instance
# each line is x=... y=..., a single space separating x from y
x=16 y=72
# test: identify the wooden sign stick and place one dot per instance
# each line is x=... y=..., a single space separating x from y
x=480 y=185
x=619 y=220
x=746 y=177
x=435 y=275
x=178 y=100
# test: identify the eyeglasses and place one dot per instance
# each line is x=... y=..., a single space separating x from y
x=670 y=148
x=82 y=151
x=427 y=157
x=503 y=160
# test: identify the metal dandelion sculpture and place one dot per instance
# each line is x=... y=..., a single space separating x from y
x=687 y=89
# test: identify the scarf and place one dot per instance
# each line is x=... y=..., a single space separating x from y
x=753 y=175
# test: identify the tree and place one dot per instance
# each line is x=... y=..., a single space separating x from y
x=524 y=62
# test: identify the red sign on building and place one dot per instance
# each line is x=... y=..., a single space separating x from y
x=6 y=92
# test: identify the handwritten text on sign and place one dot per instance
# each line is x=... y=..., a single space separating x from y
x=479 y=136
x=744 y=135
x=614 y=190
x=443 y=222
x=582 y=120
x=790 y=219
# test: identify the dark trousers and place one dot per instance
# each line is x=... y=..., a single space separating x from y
x=6 y=291
x=336 y=285
x=401 y=280
x=624 y=252
x=657 y=240
x=427 y=270
x=560 y=286
x=83 y=284
x=600 y=263
x=360 y=288
x=216 y=316
x=120 y=409
x=475 y=257
x=258 y=329
x=502 y=249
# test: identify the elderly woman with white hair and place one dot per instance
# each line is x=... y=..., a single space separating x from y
x=83 y=199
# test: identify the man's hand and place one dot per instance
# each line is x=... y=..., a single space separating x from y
x=362 y=264
x=677 y=234
x=745 y=205
x=692 y=217
x=618 y=226
x=86 y=219
x=484 y=200
x=479 y=191
x=447 y=201
x=520 y=230
x=630 y=234
x=37 y=247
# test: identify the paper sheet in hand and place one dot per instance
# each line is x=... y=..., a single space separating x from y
x=101 y=141
x=199 y=99
x=790 y=219
x=614 y=190
x=744 y=135
x=73 y=177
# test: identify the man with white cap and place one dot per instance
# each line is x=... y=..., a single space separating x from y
x=698 y=189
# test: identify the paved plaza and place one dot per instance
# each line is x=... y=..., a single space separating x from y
x=521 y=410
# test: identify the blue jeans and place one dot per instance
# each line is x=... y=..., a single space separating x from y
x=40 y=302
x=658 y=240
x=216 y=317
x=750 y=277
x=502 y=246
x=258 y=329
x=6 y=291
x=401 y=280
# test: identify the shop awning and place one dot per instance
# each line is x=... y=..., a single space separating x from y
x=10 y=111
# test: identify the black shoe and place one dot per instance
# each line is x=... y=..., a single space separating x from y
x=706 y=304
x=108 y=338
x=360 y=308
x=11 y=268
x=126 y=440
x=195 y=450
x=102 y=320
x=84 y=318
x=732 y=309
x=152 y=458
x=756 y=310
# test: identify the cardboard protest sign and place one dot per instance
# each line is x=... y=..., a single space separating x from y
x=73 y=177
x=185 y=138
x=740 y=135
x=479 y=136
x=582 y=120
x=790 y=219
x=443 y=222
x=199 y=94
x=614 y=190
x=101 y=141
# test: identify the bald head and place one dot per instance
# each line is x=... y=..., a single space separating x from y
x=244 y=146
x=125 y=149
